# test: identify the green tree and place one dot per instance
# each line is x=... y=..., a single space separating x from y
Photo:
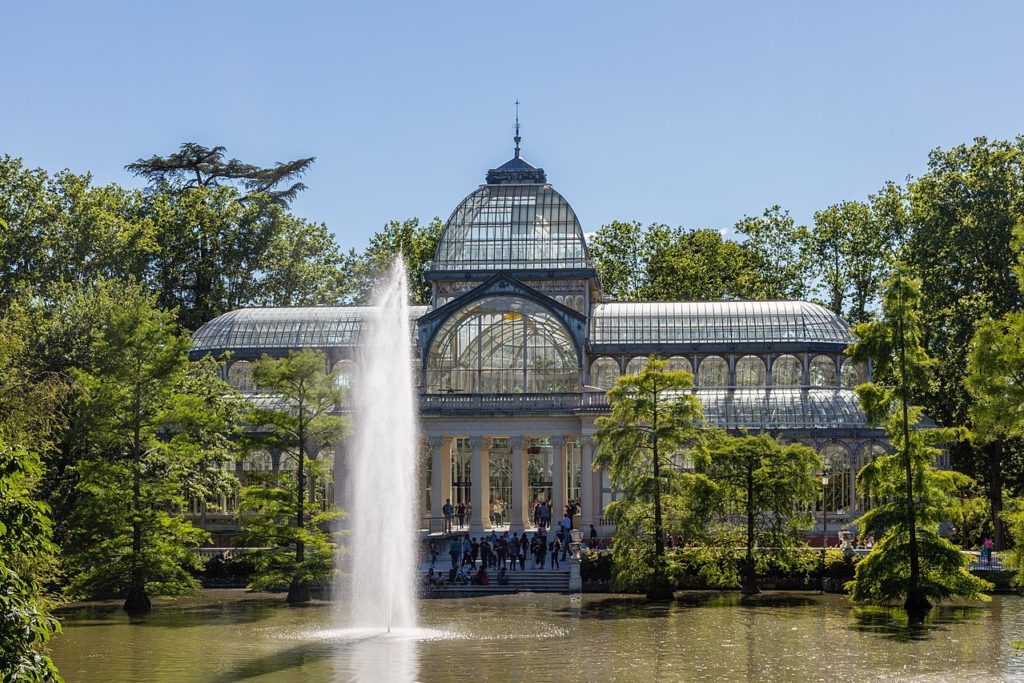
x=778 y=250
x=158 y=431
x=615 y=250
x=764 y=492
x=652 y=428
x=910 y=561
x=302 y=425
x=30 y=402
x=995 y=370
x=962 y=215
x=416 y=243
x=25 y=624
x=849 y=251
x=194 y=165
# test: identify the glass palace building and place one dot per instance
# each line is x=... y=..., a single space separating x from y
x=518 y=345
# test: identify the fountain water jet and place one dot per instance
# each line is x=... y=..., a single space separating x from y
x=383 y=466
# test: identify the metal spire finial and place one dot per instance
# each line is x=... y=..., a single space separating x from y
x=517 y=138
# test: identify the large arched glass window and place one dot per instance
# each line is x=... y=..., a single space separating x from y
x=787 y=371
x=853 y=373
x=823 y=371
x=603 y=372
x=676 y=363
x=836 y=460
x=240 y=375
x=713 y=372
x=636 y=365
x=750 y=372
x=343 y=371
x=502 y=345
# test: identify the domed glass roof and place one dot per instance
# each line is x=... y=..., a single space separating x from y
x=515 y=222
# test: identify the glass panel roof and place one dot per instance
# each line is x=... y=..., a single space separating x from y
x=778 y=408
x=280 y=328
x=715 y=322
x=512 y=227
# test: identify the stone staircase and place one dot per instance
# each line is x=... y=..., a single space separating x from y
x=530 y=581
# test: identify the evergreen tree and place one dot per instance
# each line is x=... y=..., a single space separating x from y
x=158 y=431
x=301 y=424
x=643 y=445
x=910 y=561
x=764 y=492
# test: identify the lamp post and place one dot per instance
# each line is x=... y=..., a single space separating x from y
x=824 y=527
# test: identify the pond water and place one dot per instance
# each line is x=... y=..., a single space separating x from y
x=235 y=636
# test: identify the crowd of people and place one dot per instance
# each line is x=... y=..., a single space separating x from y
x=473 y=559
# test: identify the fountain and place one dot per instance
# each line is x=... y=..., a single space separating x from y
x=383 y=467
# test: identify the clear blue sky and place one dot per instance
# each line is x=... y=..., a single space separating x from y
x=684 y=113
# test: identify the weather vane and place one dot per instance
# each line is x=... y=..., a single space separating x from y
x=517 y=138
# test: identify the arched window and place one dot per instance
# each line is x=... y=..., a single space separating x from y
x=240 y=375
x=787 y=371
x=853 y=373
x=868 y=454
x=680 y=363
x=750 y=372
x=343 y=371
x=823 y=371
x=636 y=365
x=713 y=372
x=836 y=460
x=258 y=461
x=603 y=372
x=502 y=345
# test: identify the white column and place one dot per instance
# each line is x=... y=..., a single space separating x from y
x=480 y=479
x=440 y=479
x=517 y=514
x=557 y=480
x=587 y=516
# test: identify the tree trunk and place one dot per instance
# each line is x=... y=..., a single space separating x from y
x=137 y=601
x=916 y=604
x=299 y=590
x=749 y=570
x=659 y=589
x=995 y=492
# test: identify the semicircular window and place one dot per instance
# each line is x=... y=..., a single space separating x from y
x=502 y=345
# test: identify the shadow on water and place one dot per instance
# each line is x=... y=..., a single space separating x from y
x=892 y=623
x=636 y=607
x=367 y=658
x=280 y=661
x=238 y=611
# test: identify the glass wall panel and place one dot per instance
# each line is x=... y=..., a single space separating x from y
x=836 y=494
x=603 y=372
x=823 y=371
x=635 y=365
x=676 y=363
x=502 y=345
x=751 y=372
x=240 y=375
x=713 y=371
x=853 y=373
x=343 y=371
x=787 y=371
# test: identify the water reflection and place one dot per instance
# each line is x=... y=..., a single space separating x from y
x=893 y=622
x=702 y=636
x=389 y=657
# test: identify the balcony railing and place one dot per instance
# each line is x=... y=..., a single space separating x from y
x=510 y=403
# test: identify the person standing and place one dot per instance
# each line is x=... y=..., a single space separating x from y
x=461 y=513
x=455 y=550
x=556 y=547
x=447 y=510
x=593 y=537
x=522 y=552
x=502 y=551
x=433 y=554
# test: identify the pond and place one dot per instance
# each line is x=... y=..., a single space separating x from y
x=230 y=635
